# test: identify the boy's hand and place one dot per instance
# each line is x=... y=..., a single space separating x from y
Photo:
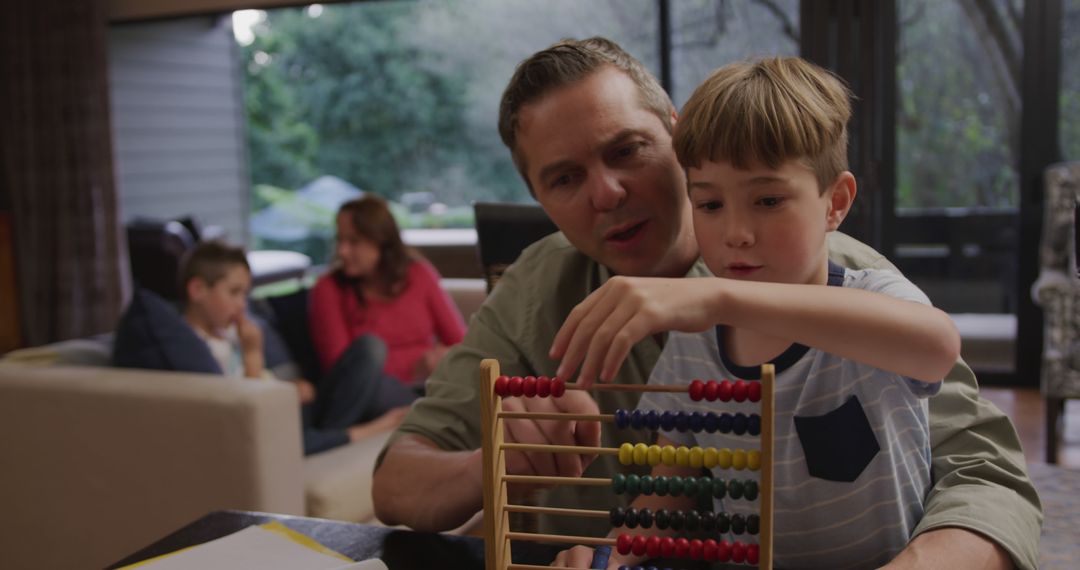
x=599 y=333
x=250 y=334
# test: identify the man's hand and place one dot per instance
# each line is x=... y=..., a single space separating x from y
x=551 y=432
x=599 y=333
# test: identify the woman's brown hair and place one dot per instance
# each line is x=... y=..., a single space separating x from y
x=370 y=217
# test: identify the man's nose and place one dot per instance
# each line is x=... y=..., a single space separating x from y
x=606 y=191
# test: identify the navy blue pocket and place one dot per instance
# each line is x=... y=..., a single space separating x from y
x=838 y=445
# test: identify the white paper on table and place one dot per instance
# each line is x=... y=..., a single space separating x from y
x=266 y=547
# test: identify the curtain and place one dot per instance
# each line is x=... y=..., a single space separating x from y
x=56 y=168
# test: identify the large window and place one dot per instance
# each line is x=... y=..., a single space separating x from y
x=401 y=98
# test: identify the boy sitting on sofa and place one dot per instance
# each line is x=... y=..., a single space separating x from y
x=215 y=280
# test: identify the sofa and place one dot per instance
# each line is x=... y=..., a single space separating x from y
x=100 y=461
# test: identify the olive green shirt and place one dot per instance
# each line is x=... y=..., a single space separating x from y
x=980 y=479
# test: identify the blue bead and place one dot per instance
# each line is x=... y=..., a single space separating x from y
x=712 y=421
x=738 y=425
x=622 y=418
x=667 y=421
x=725 y=423
x=652 y=420
x=637 y=420
x=682 y=422
x=753 y=425
x=697 y=421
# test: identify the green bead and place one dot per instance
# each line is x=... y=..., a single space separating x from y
x=647 y=485
x=618 y=483
x=633 y=484
x=704 y=490
x=661 y=485
x=690 y=487
x=719 y=488
x=753 y=524
x=675 y=486
x=735 y=489
x=751 y=490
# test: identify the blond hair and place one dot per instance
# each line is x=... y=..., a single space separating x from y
x=565 y=63
x=768 y=112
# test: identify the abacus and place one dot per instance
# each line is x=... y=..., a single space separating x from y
x=497 y=532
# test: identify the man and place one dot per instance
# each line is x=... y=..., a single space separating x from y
x=590 y=131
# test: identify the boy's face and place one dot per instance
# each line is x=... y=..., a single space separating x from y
x=763 y=224
x=603 y=168
x=221 y=303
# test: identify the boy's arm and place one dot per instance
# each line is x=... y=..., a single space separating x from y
x=905 y=337
x=251 y=345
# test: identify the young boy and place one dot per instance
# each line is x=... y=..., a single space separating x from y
x=856 y=352
x=215 y=280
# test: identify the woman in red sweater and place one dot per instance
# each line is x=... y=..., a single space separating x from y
x=382 y=288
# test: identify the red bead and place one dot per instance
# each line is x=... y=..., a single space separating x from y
x=723 y=391
x=738 y=391
x=516 y=386
x=682 y=547
x=543 y=386
x=500 y=386
x=667 y=547
x=623 y=544
x=695 y=549
x=711 y=389
x=638 y=547
x=752 y=554
x=697 y=390
x=723 y=551
x=738 y=552
x=558 y=387
x=709 y=550
x=755 y=392
x=528 y=386
x=652 y=547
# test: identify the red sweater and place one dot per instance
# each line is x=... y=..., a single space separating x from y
x=409 y=324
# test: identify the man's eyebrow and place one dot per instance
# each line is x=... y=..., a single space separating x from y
x=553 y=168
x=619 y=138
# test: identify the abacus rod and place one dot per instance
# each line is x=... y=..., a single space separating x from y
x=562 y=539
x=556 y=416
x=550 y=448
x=629 y=387
x=550 y=480
x=535 y=567
x=556 y=511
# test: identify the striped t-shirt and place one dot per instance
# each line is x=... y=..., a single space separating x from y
x=851 y=442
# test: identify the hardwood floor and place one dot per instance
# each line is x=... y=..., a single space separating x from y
x=1025 y=407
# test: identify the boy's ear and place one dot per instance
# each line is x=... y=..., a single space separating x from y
x=841 y=196
x=196 y=288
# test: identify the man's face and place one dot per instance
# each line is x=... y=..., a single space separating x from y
x=764 y=224
x=603 y=168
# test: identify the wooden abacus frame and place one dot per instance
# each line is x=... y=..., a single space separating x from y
x=497 y=533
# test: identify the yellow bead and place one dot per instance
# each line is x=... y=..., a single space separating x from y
x=723 y=458
x=682 y=456
x=696 y=457
x=667 y=455
x=654 y=455
x=738 y=460
x=709 y=461
x=626 y=454
x=641 y=453
x=753 y=460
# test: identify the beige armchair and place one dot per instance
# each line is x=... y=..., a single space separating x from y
x=1057 y=290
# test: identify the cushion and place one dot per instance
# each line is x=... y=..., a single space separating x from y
x=152 y=334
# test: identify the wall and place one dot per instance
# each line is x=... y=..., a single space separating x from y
x=177 y=117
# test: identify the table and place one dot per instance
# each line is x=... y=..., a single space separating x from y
x=399 y=549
